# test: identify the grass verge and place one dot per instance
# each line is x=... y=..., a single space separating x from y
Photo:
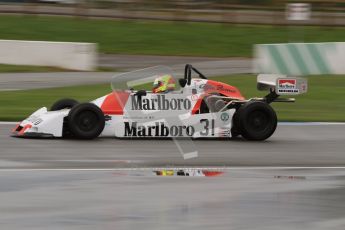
x=323 y=102
x=28 y=69
x=44 y=69
x=160 y=38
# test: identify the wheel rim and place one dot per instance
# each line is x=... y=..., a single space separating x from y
x=258 y=121
x=87 y=121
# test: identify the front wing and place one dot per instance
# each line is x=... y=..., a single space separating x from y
x=42 y=123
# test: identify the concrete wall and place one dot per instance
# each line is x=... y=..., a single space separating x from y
x=300 y=58
x=68 y=55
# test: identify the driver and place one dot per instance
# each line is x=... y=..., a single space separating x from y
x=164 y=84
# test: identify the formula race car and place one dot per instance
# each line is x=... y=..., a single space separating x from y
x=189 y=107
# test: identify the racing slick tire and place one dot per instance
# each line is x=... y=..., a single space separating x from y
x=235 y=132
x=86 y=121
x=66 y=103
x=255 y=120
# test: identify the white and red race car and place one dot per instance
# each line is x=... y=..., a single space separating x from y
x=200 y=108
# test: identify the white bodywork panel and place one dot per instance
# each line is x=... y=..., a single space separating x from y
x=45 y=122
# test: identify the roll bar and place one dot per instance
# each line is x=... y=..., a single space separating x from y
x=188 y=73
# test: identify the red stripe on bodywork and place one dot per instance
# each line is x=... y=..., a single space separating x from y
x=197 y=105
x=222 y=88
x=114 y=103
x=218 y=88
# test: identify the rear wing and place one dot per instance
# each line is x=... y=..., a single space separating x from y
x=282 y=84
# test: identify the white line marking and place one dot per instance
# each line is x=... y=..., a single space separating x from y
x=190 y=155
x=309 y=123
x=9 y=122
x=279 y=123
x=91 y=161
x=5 y=90
x=169 y=168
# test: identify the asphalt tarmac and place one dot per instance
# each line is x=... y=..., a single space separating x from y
x=239 y=199
x=123 y=63
x=293 y=144
x=294 y=180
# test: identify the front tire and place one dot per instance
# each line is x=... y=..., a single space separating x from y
x=256 y=121
x=86 y=121
x=66 y=103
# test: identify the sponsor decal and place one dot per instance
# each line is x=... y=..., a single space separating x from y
x=208 y=87
x=291 y=177
x=32 y=119
x=224 y=132
x=224 y=117
x=222 y=88
x=160 y=103
x=287 y=83
x=287 y=86
x=38 y=121
x=159 y=129
x=35 y=120
x=143 y=117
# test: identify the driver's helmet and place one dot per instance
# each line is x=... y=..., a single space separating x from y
x=163 y=84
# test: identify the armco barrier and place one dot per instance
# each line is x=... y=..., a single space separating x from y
x=68 y=55
x=300 y=58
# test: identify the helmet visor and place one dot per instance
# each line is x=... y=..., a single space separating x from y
x=157 y=84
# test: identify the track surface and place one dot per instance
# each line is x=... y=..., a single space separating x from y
x=72 y=185
x=240 y=199
x=209 y=66
x=291 y=145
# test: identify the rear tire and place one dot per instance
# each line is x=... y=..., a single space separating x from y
x=66 y=103
x=86 y=121
x=235 y=132
x=256 y=121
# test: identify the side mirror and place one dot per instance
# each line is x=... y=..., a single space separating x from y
x=182 y=82
x=141 y=93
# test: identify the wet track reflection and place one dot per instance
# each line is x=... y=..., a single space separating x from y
x=238 y=199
